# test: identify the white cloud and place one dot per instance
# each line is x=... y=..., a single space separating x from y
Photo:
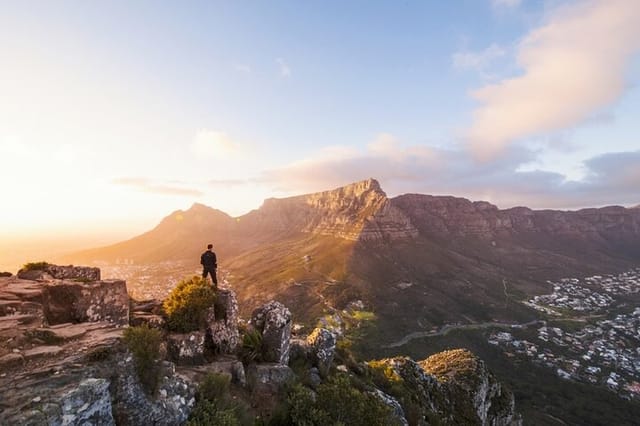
x=285 y=69
x=213 y=144
x=154 y=187
x=478 y=61
x=609 y=178
x=574 y=66
x=497 y=4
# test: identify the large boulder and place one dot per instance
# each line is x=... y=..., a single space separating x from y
x=273 y=321
x=222 y=322
x=69 y=301
x=172 y=404
x=88 y=404
x=188 y=348
x=473 y=393
x=268 y=378
x=322 y=348
x=70 y=272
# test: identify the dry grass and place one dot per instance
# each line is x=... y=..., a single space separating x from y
x=452 y=364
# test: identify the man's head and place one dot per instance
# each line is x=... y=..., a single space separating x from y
x=210 y=246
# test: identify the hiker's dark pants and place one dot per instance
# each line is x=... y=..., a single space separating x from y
x=212 y=272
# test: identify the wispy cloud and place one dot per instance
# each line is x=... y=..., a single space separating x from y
x=478 y=61
x=214 y=144
x=609 y=179
x=153 y=187
x=573 y=67
x=285 y=69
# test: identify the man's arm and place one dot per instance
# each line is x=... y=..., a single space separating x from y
x=215 y=260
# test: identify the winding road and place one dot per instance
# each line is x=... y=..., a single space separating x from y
x=451 y=327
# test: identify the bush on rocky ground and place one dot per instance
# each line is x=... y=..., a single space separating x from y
x=214 y=405
x=35 y=266
x=337 y=401
x=144 y=344
x=252 y=347
x=186 y=306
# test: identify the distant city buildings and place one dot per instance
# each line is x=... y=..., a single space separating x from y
x=595 y=337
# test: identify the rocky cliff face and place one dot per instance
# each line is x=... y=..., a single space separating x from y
x=451 y=216
x=81 y=373
x=470 y=389
x=360 y=211
x=451 y=387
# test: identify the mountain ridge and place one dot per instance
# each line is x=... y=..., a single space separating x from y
x=360 y=211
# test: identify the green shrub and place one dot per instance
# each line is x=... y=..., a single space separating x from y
x=99 y=354
x=338 y=401
x=214 y=407
x=207 y=413
x=303 y=410
x=35 y=266
x=187 y=305
x=214 y=387
x=48 y=337
x=251 y=349
x=144 y=344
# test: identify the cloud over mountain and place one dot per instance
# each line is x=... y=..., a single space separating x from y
x=573 y=66
x=610 y=178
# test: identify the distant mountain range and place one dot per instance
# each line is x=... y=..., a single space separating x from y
x=412 y=259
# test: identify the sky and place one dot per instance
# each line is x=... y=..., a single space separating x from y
x=115 y=113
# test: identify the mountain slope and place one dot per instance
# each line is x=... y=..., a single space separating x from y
x=181 y=235
x=414 y=259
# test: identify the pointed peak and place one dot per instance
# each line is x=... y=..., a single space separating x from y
x=199 y=206
x=362 y=186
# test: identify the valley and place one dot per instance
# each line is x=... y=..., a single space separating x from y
x=428 y=273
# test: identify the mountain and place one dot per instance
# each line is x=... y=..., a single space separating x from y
x=434 y=257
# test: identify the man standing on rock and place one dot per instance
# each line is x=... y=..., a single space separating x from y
x=209 y=265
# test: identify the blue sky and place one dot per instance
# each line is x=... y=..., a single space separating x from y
x=115 y=113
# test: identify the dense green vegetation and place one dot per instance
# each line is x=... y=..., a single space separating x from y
x=144 y=344
x=186 y=306
x=251 y=349
x=214 y=405
x=338 y=401
x=35 y=266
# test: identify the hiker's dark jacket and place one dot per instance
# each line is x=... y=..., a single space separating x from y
x=208 y=260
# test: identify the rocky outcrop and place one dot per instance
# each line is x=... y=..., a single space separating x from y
x=171 y=406
x=268 y=378
x=86 y=403
x=359 y=211
x=70 y=301
x=448 y=216
x=472 y=392
x=412 y=377
x=187 y=348
x=454 y=387
x=222 y=322
x=70 y=272
x=89 y=403
x=322 y=348
x=273 y=322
